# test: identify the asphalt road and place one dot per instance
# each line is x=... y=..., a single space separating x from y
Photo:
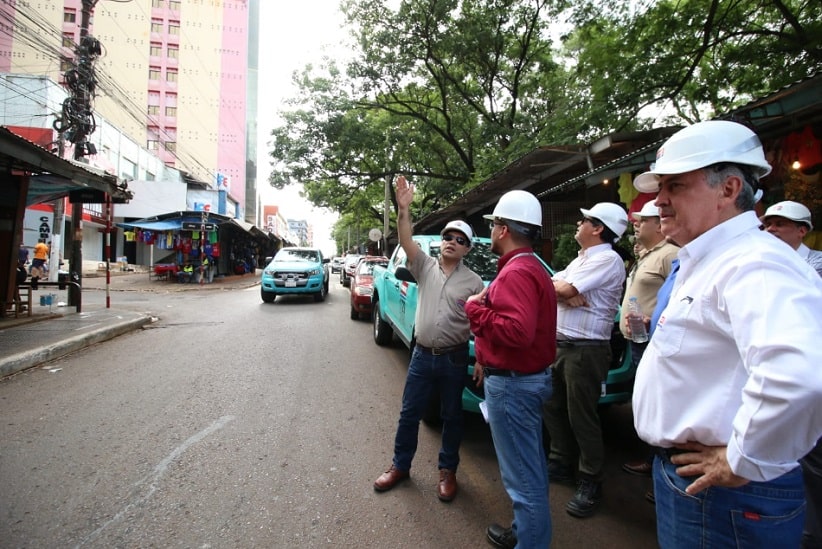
x=233 y=423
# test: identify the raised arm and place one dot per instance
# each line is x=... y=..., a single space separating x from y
x=405 y=195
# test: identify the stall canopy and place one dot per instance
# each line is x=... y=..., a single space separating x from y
x=176 y=221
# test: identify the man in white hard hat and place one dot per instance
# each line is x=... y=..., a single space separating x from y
x=790 y=221
x=440 y=356
x=730 y=387
x=588 y=293
x=514 y=324
x=643 y=283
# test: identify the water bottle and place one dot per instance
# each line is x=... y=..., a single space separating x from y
x=639 y=334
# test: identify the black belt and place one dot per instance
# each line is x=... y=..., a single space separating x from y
x=581 y=342
x=443 y=350
x=488 y=371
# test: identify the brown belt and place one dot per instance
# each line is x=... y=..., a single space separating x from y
x=443 y=350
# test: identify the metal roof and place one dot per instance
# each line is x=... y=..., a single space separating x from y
x=58 y=176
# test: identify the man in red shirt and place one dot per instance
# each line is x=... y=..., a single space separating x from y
x=514 y=322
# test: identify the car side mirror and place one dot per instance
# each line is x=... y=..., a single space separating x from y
x=402 y=273
x=326 y=260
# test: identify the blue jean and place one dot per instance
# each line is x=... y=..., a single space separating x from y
x=515 y=416
x=425 y=372
x=758 y=514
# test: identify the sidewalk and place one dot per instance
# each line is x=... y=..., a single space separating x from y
x=55 y=331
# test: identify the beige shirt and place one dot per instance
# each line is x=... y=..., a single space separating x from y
x=440 y=318
x=652 y=268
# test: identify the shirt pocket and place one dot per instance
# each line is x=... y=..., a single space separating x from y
x=670 y=330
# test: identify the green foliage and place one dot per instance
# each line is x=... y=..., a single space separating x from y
x=449 y=92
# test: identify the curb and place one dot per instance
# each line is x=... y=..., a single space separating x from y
x=22 y=361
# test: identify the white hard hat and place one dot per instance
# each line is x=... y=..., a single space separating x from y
x=790 y=210
x=648 y=210
x=704 y=144
x=460 y=226
x=611 y=215
x=519 y=206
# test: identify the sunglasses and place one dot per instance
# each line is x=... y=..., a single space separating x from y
x=460 y=240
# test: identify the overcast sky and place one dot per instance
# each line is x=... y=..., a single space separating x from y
x=292 y=34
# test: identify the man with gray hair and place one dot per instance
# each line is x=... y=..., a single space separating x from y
x=729 y=387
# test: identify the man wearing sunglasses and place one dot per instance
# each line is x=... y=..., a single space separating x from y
x=440 y=356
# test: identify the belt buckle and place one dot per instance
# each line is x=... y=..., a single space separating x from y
x=436 y=351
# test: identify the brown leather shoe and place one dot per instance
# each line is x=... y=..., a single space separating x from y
x=389 y=479
x=447 y=486
x=642 y=468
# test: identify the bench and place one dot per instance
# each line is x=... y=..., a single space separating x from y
x=21 y=301
x=60 y=285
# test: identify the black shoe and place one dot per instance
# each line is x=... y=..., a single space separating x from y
x=586 y=500
x=501 y=537
x=559 y=472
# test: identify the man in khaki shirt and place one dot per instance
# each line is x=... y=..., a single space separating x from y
x=650 y=270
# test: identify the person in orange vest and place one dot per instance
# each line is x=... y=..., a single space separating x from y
x=38 y=264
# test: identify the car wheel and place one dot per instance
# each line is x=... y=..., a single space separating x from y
x=355 y=315
x=320 y=296
x=268 y=297
x=382 y=330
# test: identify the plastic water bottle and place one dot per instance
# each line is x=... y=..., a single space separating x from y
x=639 y=334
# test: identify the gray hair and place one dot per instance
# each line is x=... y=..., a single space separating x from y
x=718 y=173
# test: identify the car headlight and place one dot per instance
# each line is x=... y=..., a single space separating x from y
x=313 y=272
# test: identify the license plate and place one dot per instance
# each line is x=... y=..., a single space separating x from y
x=290 y=283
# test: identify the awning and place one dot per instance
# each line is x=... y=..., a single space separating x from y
x=164 y=225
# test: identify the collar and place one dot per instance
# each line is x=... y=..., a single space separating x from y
x=594 y=250
x=716 y=237
x=503 y=260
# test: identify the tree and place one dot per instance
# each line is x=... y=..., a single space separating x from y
x=445 y=92
x=690 y=58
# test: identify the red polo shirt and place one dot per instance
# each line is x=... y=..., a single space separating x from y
x=516 y=328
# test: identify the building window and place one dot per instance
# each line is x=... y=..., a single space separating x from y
x=153 y=145
x=128 y=168
x=154 y=73
x=156 y=3
x=153 y=110
x=156 y=26
x=156 y=50
x=70 y=16
x=174 y=28
x=171 y=111
x=171 y=146
x=68 y=40
x=173 y=52
x=66 y=64
x=174 y=5
x=171 y=75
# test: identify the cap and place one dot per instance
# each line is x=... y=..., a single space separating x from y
x=790 y=210
x=648 y=210
x=460 y=226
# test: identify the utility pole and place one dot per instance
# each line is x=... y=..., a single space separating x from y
x=78 y=123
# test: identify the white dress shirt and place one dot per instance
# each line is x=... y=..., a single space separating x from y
x=736 y=357
x=598 y=273
x=811 y=257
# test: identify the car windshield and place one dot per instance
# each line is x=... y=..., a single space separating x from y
x=367 y=267
x=480 y=259
x=297 y=255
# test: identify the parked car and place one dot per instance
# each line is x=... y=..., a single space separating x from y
x=336 y=264
x=362 y=285
x=295 y=271
x=394 y=303
x=348 y=267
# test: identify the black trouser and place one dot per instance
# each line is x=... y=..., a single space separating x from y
x=812 y=475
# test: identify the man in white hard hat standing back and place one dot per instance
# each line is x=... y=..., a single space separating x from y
x=789 y=222
x=730 y=387
x=514 y=324
x=588 y=294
